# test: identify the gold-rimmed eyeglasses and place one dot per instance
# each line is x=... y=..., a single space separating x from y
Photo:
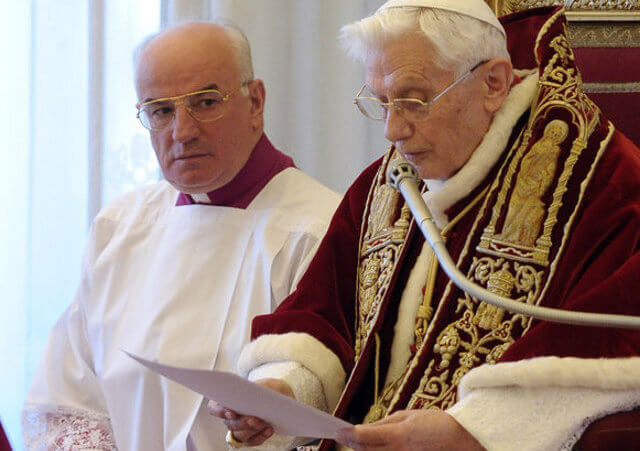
x=206 y=105
x=411 y=109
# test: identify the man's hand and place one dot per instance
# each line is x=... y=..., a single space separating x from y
x=251 y=431
x=410 y=430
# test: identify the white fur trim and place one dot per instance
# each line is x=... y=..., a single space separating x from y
x=442 y=195
x=305 y=385
x=403 y=331
x=544 y=403
x=605 y=374
x=306 y=388
x=298 y=347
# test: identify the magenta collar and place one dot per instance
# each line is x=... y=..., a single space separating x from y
x=263 y=164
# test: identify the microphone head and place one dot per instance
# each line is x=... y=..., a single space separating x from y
x=401 y=169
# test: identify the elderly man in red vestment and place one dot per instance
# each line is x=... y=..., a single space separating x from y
x=538 y=198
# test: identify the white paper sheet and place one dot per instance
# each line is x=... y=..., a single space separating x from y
x=286 y=415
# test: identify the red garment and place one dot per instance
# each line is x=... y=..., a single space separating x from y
x=598 y=268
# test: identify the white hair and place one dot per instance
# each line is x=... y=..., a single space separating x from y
x=241 y=46
x=460 y=41
x=239 y=42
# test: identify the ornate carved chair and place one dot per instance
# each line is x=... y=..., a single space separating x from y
x=605 y=35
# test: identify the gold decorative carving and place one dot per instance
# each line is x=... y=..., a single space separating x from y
x=612 y=88
x=604 y=34
x=501 y=7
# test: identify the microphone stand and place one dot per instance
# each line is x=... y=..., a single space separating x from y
x=403 y=177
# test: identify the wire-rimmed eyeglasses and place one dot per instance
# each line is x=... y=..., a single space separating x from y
x=409 y=108
x=206 y=105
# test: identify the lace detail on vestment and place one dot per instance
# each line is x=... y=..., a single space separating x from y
x=50 y=428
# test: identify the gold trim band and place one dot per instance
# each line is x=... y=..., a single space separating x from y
x=612 y=88
x=577 y=15
x=604 y=34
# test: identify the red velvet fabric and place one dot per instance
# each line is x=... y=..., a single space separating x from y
x=608 y=65
x=603 y=66
x=522 y=28
x=623 y=109
x=4 y=441
x=619 y=431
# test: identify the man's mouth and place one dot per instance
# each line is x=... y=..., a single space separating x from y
x=191 y=156
x=413 y=155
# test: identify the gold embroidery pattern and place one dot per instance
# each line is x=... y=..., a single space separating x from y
x=482 y=334
x=526 y=210
x=384 y=234
x=525 y=236
x=383 y=403
x=425 y=310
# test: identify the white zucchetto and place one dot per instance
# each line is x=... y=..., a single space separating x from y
x=477 y=9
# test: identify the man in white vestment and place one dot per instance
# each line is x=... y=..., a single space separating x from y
x=175 y=272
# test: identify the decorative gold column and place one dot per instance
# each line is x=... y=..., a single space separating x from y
x=592 y=23
x=582 y=9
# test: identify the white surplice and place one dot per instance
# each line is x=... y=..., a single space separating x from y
x=176 y=284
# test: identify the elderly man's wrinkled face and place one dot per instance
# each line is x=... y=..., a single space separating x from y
x=198 y=157
x=440 y=144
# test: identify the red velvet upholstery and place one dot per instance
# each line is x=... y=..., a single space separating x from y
x=620 y=431
x=603 y=66
x=4 y=441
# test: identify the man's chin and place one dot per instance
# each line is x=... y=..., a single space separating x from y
x=190 y=186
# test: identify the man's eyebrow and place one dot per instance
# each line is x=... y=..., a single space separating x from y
x=413 y=84
x=211 y=86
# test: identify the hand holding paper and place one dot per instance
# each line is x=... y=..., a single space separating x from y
x=286 y=415
x=249 y=430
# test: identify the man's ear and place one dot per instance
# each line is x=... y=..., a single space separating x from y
x=498 y=75
x=257 y=97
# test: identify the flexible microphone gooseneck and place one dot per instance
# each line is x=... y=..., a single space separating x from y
x=404 y=178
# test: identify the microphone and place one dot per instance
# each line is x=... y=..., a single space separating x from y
x=404 y=178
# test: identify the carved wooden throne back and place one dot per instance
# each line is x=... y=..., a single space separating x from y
x=605 y=35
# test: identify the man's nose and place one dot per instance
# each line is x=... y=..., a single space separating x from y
x=396 y=127
x=185 y=127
